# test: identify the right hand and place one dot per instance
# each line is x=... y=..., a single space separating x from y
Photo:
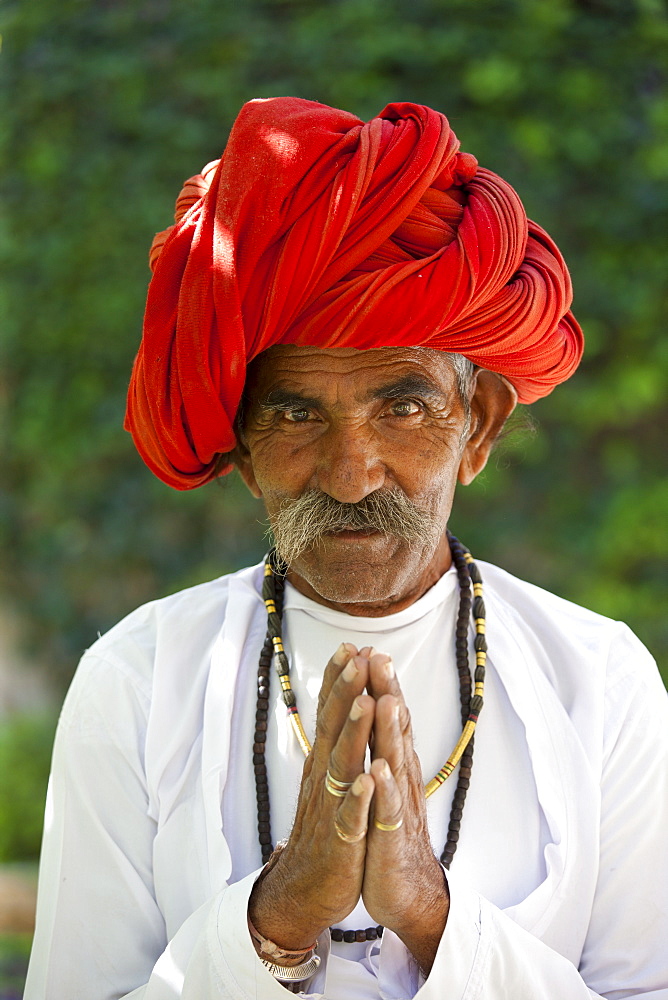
x=316 y=880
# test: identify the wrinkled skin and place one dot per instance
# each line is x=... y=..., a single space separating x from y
x=349 y=422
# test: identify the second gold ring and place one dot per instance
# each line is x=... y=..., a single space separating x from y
x=348 y=838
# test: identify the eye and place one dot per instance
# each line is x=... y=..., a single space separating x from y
x=297 y=416
x=404 y=408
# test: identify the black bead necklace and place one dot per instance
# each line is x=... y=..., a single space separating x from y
x=273 y=590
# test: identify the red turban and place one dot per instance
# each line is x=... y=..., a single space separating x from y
x=315 y=228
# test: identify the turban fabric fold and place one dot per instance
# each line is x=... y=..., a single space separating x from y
x=316 y=228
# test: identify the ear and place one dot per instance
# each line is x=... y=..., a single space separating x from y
x=494 y=399
x=242 y=459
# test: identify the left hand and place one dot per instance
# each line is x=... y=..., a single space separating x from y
x=404 y=886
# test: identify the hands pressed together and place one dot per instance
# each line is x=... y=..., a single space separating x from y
x=340 y=847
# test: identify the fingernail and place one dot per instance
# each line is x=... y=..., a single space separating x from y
x=356 y=710
x=395 y=711
x=388 y=669
x=350 y=672
x=387 y=774
x=358 y=785
x=341 y=656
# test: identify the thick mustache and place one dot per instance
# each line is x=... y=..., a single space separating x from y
x=300 y=523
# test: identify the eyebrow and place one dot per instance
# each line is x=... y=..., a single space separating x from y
x=407 y=385
x=285 y=399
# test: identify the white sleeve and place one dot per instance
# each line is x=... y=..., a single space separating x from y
x=212 y=956
x=99 y=931
x=483 y=953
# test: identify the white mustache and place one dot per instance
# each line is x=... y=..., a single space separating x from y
x=300 y=523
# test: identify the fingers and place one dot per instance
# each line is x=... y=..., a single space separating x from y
x=352 y=818
x=346 y=759
x=393 y=738
x=389 y=743
x=334 y=667
x=383 y=678
x=334 y=709
x=388 y=811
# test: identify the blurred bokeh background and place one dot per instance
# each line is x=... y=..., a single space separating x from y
x=107 y=105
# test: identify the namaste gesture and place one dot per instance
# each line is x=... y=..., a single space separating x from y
x=355 y=833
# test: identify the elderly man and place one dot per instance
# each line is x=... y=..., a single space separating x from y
x=347 y=313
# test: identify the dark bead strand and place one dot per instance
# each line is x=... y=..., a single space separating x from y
x=466 y=573
x=261 y=719
x=274 y=586
x=259 y=764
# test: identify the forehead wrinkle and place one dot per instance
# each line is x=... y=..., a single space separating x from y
x=289 y=391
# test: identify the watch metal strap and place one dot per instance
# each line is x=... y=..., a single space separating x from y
x=292 y=973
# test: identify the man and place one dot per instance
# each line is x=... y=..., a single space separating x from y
x=348 y=314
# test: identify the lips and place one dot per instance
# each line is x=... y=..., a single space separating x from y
x=353 y=533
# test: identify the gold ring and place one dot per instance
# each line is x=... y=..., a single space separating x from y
x=348 y=838
x=335 y=787
x=388 y=827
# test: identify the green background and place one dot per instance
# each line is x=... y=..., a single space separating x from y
x=107 y=106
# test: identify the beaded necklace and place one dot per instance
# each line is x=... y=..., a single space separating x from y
x=273 y=588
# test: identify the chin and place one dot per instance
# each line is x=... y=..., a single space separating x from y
x=368 y=573
x=347 y=592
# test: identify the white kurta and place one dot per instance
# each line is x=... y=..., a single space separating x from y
x=559 y=888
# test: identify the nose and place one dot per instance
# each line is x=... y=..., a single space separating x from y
x=349 y=466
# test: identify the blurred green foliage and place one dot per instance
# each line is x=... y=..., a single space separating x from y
x=14 y=954
x=109 y=104
x=25 y=756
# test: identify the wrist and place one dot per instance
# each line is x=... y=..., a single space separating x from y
x=274 y=953
x=291 y=928
x=421 y=933
x=289 y=967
